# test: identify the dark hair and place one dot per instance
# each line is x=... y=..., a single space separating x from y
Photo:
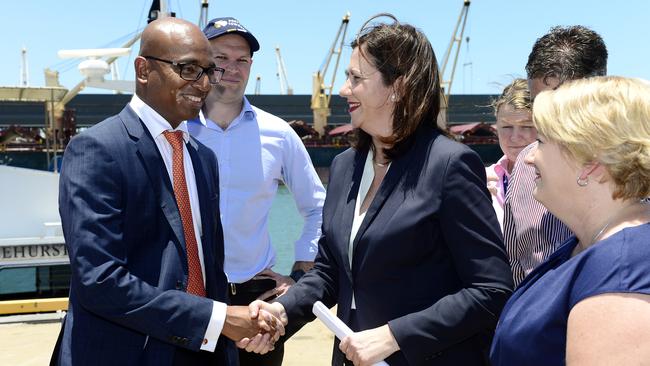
x=568 y=53
x=404 y=56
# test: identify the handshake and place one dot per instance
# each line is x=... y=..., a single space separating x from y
x=256 y=327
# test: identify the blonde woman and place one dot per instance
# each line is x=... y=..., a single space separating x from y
x=589 y=303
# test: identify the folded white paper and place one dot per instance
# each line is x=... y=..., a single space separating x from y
x=340 y=329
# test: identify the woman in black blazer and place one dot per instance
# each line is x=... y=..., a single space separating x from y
x=411 y=248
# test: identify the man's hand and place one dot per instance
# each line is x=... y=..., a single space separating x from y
x=263 y=343
x=370 y=346
x=282 y=283
x=302 y=265
x=241 y=323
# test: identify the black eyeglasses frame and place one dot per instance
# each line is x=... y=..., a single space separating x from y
x=218 y=71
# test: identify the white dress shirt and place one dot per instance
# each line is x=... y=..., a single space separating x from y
x=364 y=186
x=156 y=125
x=256 y=152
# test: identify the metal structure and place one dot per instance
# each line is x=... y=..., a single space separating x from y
x=454 y=47
x=158 y=9
x=258 y=85
x=203 y=16
x=321 y=92
x=93 y=69
x=24 y=72
x=285 y=88
x=47 y=252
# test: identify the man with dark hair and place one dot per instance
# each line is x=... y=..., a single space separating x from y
x=138 y=199
x=531 y=233
x=569 y=53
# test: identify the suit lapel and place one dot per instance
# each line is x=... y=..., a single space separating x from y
x=353 y=176
x=204 y=205
x=154 y=165
x=393 y=176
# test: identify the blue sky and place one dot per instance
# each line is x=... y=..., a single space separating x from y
x=501 y=33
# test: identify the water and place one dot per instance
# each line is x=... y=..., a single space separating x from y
x=285 y=227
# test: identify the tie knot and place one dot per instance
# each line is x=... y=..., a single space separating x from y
x=175 y=139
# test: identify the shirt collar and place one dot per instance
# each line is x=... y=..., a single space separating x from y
x=501 y=167
x=247 y=114
x=154 y=122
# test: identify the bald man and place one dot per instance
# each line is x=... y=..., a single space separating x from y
x=139 y=204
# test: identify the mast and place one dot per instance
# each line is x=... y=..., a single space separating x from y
x=203 y=16
x=24 y=70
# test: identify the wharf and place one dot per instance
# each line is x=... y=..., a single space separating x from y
x=31 y=344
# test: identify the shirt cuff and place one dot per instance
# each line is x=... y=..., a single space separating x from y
x=217 y=320
x=305 y=252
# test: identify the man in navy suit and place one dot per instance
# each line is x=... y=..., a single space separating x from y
x=140 y=211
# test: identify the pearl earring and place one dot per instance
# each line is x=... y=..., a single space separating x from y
x=393 y=98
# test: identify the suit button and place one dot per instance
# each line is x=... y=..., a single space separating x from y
x=179 y=285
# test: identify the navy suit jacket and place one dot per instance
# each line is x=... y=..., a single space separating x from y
x=428 y=258
x=124 y=234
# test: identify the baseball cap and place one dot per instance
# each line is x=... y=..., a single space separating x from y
x=219 y=26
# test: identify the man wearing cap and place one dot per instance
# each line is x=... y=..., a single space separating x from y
x=255 y=151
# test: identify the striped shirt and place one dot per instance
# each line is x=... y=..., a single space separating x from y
x=530 y=232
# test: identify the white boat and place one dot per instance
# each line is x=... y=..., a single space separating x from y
x=33 y=258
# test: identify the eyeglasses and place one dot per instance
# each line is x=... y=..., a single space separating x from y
x=193 y=72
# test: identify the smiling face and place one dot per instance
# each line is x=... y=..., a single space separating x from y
x=232 y=52
x=369 y=100
x=515 y=130
x=159 y=83
x=556 y=175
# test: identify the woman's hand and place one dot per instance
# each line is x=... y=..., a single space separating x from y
x=369 y=346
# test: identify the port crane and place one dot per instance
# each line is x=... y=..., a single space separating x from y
x=285 y=89
x=258 y=85
x=453 y=47
x=97 y=63
x=321 y=92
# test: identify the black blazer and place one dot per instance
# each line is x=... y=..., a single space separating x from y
x=123 y=230
x=428 y=258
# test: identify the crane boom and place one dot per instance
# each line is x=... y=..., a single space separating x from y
x=456 y=40
x=258 y=85
x=203 y=14
x=285 y=88
x=55 y=109
x=322 y=93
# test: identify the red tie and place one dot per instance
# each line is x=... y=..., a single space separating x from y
x=195 y=282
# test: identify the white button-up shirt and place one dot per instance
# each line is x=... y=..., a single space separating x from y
x=255 y=153
x=156 y=125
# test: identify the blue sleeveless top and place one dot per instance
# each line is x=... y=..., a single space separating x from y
x=533 y=325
